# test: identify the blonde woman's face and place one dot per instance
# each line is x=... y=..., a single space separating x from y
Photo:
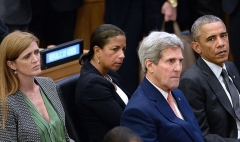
x=28 y=62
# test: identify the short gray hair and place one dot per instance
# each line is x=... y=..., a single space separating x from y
x=206 y=19
x=152 y=46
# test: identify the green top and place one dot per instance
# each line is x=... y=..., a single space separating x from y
x=49 y=132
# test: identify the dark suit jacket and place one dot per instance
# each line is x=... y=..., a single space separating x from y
x=20 y=125
x=98 y=104
x=150 y=116
x=209 y=101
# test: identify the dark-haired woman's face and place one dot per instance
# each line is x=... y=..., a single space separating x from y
x=112 y=54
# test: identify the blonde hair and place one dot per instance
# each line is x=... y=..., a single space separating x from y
x=10 y=49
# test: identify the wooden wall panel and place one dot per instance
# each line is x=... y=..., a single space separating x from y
x=90 y=16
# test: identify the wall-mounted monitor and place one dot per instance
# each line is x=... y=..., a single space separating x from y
x=61 y=53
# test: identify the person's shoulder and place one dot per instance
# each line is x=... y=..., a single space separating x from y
x=45 y=81
x=90 y=76
x=139 y=99
x=93 y=81
x=179 y=95
x=232 y=68
x=89 y=72
x=178 y=92
x=192 y=72
x=230 y=64
x=114 y=74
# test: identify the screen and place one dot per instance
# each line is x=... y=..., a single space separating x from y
x=61 y=53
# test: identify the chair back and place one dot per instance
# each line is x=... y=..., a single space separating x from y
x=74 y=126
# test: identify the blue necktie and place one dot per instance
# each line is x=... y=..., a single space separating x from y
x=233 y=93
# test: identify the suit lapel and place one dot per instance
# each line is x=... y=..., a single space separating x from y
x=116 y=81
x=161 y=103
x=233 y=73
x=181 y=106
x=185 y=113
x=164 y=108
x=88 y=67
x=216 y=86
x=29 y=122
x=51 y=93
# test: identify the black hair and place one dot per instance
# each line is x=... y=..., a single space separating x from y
x=100 y=37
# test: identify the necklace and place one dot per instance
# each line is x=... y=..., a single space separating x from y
x=108 y=78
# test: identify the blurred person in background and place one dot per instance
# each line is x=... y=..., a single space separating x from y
x=16 y=14
x=137 y=18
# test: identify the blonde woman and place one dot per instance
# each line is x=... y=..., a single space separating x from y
x=30 y=108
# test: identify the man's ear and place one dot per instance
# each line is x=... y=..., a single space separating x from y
x=149 y=65
x=11 y=65
x=196 y=47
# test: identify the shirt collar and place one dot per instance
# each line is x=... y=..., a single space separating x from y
x=165 y=94
x=215 y=68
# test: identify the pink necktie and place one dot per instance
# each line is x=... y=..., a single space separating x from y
x=171 y=103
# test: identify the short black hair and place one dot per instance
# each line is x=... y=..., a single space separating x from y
x=121 y=134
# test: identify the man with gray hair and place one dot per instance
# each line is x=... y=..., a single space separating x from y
x=212 y=84
x=158 y=111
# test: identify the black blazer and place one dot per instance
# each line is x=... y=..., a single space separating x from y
x=98 y=104
x=209 y=101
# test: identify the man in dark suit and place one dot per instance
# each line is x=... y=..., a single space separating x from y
x=198 y=8
x=203 y=84
x=137 y=18
x=158 y=111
